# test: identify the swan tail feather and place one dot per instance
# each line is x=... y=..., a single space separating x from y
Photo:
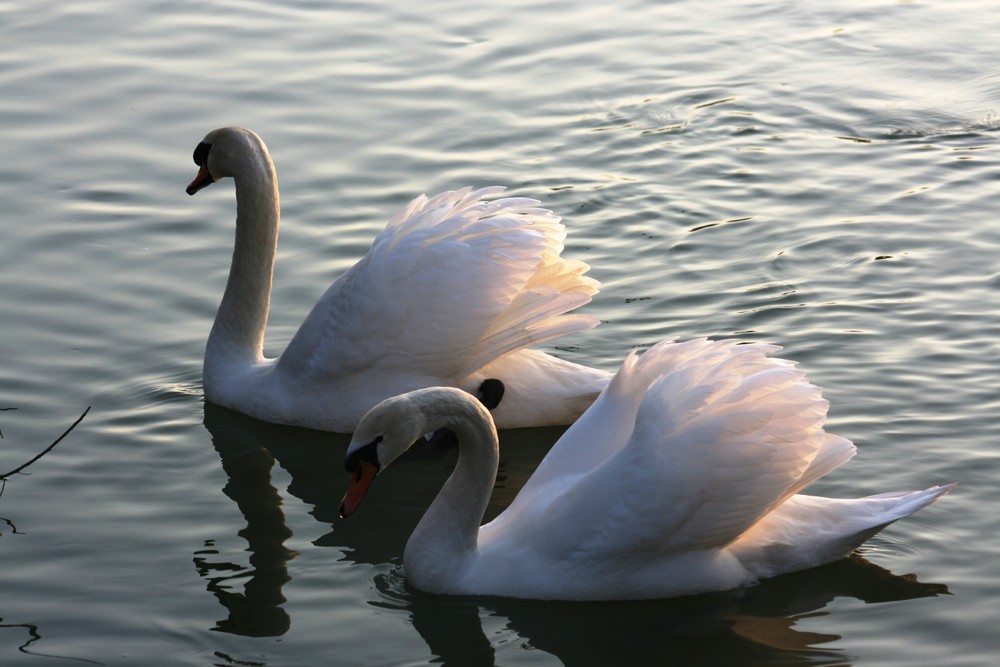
x=807 y=531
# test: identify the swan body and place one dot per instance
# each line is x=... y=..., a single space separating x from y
x=682 y=478
x=452 y=291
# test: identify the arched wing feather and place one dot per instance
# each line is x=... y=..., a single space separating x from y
x=452 y=283
x=707 y=437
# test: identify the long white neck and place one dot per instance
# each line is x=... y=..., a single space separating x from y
x=447 y=535
x=237 y=337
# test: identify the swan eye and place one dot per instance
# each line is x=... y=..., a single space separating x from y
x=201 y=154
x=367 y=453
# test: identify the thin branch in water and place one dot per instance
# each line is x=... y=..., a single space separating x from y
x=47 y=449
x=35 y=636
x=5 y=410
x=12 y=526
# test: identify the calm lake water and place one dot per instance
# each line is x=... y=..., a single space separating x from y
x=819 y=175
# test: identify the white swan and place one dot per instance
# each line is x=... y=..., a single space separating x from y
x=681 y=478
x=452 y=291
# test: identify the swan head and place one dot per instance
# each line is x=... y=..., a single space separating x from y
x=395 y=424
x=382 y=435
x=221 y=152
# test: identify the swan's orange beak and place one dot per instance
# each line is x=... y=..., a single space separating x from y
x=201 y=180
x=361 y=479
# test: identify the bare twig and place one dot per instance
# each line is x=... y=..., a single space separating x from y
x=35 y=636
x=5 y=410
x=47 y=449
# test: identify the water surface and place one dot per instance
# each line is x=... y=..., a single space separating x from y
x=819 y=176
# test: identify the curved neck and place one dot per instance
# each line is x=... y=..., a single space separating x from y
x=237 y=336
x=447 y=534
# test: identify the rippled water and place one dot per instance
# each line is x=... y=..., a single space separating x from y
x=818 y=175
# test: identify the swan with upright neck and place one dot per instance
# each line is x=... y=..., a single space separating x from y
x=453 y=291
x=682 y=478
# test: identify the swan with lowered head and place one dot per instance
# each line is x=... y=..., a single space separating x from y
x=682 y=478
x=453 y=291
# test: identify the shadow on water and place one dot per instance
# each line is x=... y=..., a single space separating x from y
x=248 y=450
x=753 y=626
x=257 y=610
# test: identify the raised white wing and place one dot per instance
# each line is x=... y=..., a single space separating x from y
x=452 y=283
x=688 y=447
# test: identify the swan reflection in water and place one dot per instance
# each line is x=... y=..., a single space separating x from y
x=758 y=623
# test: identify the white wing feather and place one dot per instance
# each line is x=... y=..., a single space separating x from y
x=687 y=448
x=452 y=283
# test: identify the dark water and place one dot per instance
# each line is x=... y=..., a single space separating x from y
x=819 y=176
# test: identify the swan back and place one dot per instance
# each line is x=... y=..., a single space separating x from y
x=693 y=441
x=454 y=284
x=451 y=284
